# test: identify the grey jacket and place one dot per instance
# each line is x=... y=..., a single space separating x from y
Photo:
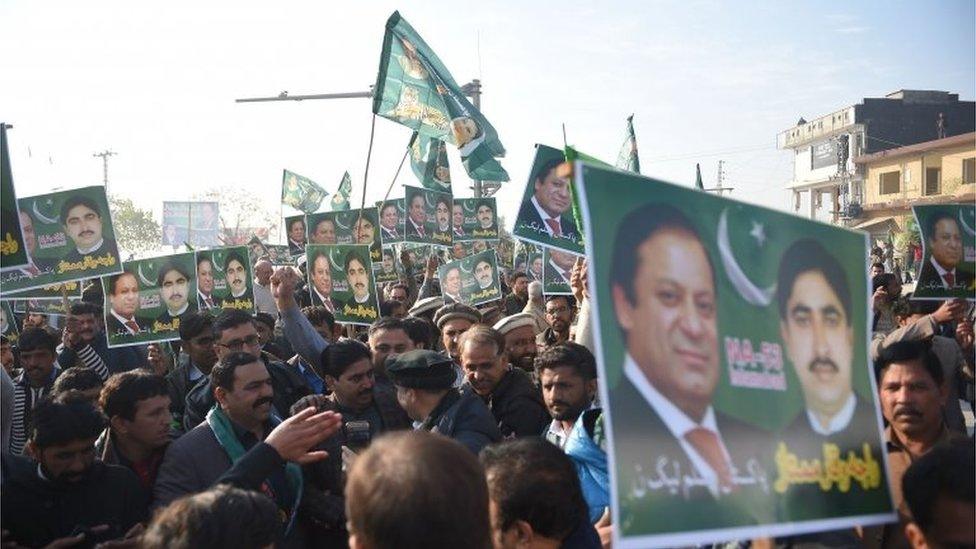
x=192 y=464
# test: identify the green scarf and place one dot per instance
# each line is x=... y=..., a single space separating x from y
x=224 y=431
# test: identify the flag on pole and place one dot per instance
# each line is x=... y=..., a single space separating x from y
x=414 y=88
x=340 y=200
x=301 y=193
x=428 y=158
x=698 y=179
x=627 y=159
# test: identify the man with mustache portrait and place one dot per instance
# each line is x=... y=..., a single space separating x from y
x=82 y=222
x=174 y=292
x=236 y=273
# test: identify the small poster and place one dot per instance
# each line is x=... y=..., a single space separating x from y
x=475 y=219
x=224 y=280
x=346 y=227
x=948 y=252
x=428 y=216
x=472 y=280
x=557 y=268
x=392 y=218
x=546 y=214
x=340 y=279
x=295 y=229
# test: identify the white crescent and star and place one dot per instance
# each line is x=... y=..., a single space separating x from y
x=749 y=291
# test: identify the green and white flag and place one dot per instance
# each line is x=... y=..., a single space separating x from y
x=13 y=251
x=340 y=200
x=698 y=180
x=414 y=88
x=627 y=159
x=301 y=193
x=428 y=158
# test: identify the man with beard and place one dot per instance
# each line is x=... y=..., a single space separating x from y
x=137 y=407
x=296 y=236
x=452 y=285
x=194 y=363
x=509 y=392
x=85 y=344
x=390 y=223
x=520 y=333
x=37 y=359
x=174 y=291
x=82 y=222
x=62 y=494
x=515 y=302
x=559 y=314
x=324 y=232
x=236 y=273
x=321 y=290
x=123 y=296
x=205 y=283
x=417 y=218
x=567 y=375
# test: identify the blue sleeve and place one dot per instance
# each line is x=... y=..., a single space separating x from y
x=302 y=335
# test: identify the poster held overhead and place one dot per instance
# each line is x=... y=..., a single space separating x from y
x=948 y=234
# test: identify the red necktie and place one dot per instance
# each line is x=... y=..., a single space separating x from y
x=950 y=280
x=708 y=446
x=554 y=226
x=131 y=324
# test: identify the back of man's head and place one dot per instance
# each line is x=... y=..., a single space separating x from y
x=79 y=378
x=222 y=516
x=79 y=308
x=64 y=419
x=532 y=482
x=36 y=339
x=317 y=315
x=420 y=331
x=196 y=324
x=939 y=490
x=535 y=290
x=229 y=319
x=417 y=490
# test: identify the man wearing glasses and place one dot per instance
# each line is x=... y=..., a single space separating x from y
x=234 y=331
x=559 y=314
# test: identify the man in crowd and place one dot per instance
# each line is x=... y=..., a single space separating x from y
x=519 y=331
x=452 y=321
x=235 y=332
x=567 y=376
x=263 y=301
x=942 y=270
x=322 y=281
x=37 y=359
x=509 y=392
x=136 y=404
x=205 y=283
x=536 y=306
x=559 y=314
x=296 y=236
x=86 y=345
x=515 y=302
x=424 y=382
x=939 y=491
x=548 y=208
x=62 y=491
x=194 y=364
x=400 y=292
x=535 y=495
x=82 y=381
x=416 y=490
x=123 y=296
x=265 y=324
x=82 y=222
x=174 y=292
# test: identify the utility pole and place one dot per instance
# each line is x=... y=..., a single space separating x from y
x=104 y=155
x=720 y=187
x=471 y=89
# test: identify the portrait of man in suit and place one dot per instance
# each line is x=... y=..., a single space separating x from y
x=559 y=267
x=417 y=216
x=458 y=220
x=296 y=236
x=321 y=275
x=82 y=222
x=548 y=210
x=236 y=273
x=357 y=278
x=452 y=285
x=174 y=291
x=205 y=283
x=486 y=215
x=673 y=447
x=325 y=232
x=942 y=269
x=123 y=296
x=390 y=222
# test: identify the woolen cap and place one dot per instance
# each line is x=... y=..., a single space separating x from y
x=421 y=369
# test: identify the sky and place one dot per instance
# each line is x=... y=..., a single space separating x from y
x=706 y=81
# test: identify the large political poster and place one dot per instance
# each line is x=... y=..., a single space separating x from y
x=545 y=216
x=149 y=298
x=346 y=227
x=224 y=280
x=732 y=347
x=474 y=219
x=340 y=279
x=472 y=280
x=193 y=223
x=13 y=252
x=428 y=216
x=392 y=218
x=68 y=236
x=948 y=268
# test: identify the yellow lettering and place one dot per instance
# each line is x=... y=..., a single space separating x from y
x=833 y=472
x=8 y=246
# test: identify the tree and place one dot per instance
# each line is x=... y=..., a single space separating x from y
x=136 y=230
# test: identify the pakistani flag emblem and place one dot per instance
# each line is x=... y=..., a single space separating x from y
x=743 y=245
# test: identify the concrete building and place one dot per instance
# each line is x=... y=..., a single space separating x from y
x=827 y=184
x=934 y=172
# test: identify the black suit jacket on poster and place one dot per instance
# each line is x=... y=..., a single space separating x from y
x=648 y=455
x=108 y=247
x=809 y=501
x=530 y=217
x=411 y=230
x=928 y=276
x=114 y=327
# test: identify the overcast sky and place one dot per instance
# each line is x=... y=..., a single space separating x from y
x=707 y=81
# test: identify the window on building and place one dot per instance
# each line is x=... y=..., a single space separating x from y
x=969 y=170
x=933 y=177
x=889 y=183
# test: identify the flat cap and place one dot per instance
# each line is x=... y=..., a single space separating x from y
x=515 y=321
x=456 y=310
x=426 y=305
x=421 y=369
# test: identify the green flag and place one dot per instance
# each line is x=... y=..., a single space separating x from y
x=698 y=179
x=340 y=200
x=572 y=155
x=428 y=158
x=301 y=193
x=414 y=88
x=627 y=159
x=13 y=252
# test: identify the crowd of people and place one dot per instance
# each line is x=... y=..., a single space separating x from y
x=439 y=425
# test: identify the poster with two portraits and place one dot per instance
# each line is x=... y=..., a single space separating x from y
x=150 y=297
x=732 y=346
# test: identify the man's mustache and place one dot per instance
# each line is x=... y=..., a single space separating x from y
x=263 y=400
x=907 y=410
x=174 y=297
x=86 y=233
x=823 y=362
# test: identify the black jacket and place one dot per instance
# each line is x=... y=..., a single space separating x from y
x=463 y=416
x=288 y=385
x=37 y=511
x=179 y=384
x=517 y=406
